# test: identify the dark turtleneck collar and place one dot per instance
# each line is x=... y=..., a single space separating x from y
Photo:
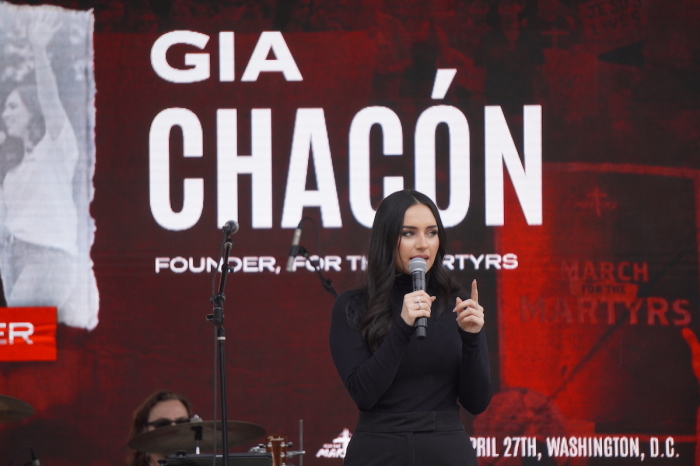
x=403 y=283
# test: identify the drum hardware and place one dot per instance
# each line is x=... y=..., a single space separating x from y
x=197 y=438
x=301 y=443
x=197 y=429
x=192 y=437
x=234 y=459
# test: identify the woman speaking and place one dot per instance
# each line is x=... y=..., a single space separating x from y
x=407 y=389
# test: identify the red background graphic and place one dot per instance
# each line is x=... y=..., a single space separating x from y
x=575 y=328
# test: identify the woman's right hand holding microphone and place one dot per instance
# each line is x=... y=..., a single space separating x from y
x=415 y=305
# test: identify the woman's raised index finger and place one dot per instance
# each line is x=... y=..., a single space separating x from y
x=475 y=291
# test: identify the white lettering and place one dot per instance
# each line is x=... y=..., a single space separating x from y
x=360 y=200
x=237 y=264
x=213 y=265
x=266 y=263
x=250 y=264
x=670 y=450
x=299 y=261
x=197 y=269
x=459 y=160
x=178 y=264
x=449 y=261
x=510 y=261
x=493 y=260
x=354 y=260
x=227 y=65
x=159 y=169
x=312 y=262
x=28 y=327
x=333 y=262
x=476 y=260
x=230 y=165
x=162 y=263
x=526 y=178
x=198 y=61
x=311 y=136
x=654 y=447
x=283 y=61
x=461 y=258
x=16 y=330
x=247 y=264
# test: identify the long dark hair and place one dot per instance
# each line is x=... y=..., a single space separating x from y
x=140 y=420
x=381 y=264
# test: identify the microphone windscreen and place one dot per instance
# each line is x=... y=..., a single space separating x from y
x=231 y=227
x=418 y=264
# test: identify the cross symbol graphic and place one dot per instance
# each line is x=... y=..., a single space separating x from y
x=597 y=196
x=555 y=33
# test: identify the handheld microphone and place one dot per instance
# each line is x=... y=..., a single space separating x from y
x=418 y=267
x=230 y=227
x=294 y=249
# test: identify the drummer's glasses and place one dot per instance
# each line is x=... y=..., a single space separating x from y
x=162 y=422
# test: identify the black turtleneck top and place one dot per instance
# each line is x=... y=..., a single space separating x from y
x=406 y=375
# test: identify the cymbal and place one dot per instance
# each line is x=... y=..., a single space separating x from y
x=168 y=440
x=14 y=409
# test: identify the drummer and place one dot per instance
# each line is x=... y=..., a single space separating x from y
x=162 y=409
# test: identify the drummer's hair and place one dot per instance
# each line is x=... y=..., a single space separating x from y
x=139 y=422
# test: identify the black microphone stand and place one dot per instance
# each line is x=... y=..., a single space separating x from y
x=326 y=283
x=217 y=318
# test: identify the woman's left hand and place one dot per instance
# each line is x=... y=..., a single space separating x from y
x=470 y=315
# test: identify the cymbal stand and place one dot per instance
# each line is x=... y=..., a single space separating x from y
x=197 y=438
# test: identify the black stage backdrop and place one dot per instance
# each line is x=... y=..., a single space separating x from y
x=563 y=153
